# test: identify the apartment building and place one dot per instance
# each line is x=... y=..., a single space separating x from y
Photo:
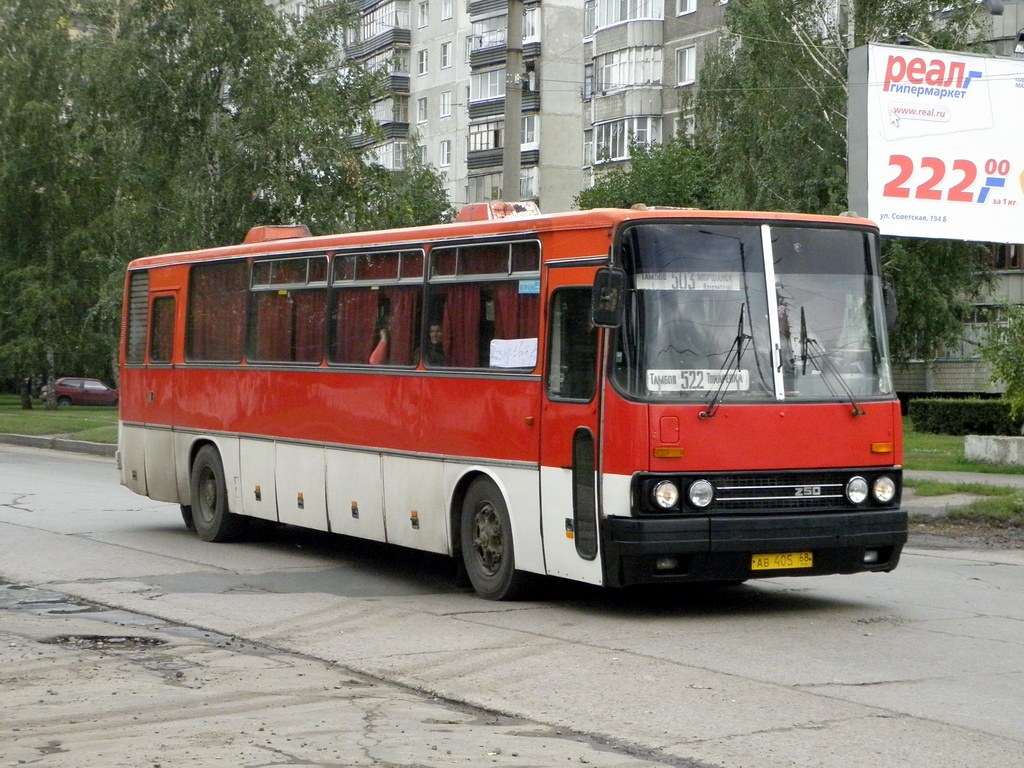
x=641 y=64
x=446 y=77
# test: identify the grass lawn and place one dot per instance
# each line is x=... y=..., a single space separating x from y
x=97 y=424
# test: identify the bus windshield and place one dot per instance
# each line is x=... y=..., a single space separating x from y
x=751 y=313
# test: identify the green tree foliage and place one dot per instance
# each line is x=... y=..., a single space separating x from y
x=44 y=293
x=1004 y=349
x=771 y=135
x=935 y=283
x=772 y=116
x=412 y=196
x=674 y=173
x=130 y=127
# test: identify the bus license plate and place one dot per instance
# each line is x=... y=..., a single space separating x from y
x=781 y=560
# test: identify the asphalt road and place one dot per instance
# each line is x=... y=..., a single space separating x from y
x=126 y=641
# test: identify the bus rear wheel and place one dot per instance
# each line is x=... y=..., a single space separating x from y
x=487 y=548
x=210 y=515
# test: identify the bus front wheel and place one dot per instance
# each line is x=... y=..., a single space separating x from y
x=487 y=547
x=210 y=513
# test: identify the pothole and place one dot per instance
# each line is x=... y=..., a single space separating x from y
x=105 y=642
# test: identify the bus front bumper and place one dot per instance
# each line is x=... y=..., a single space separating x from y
x=652 y=550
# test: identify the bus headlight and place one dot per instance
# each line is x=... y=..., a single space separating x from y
x=856 y=490
x=700 y=493
x=666 y=494
x=883 y=489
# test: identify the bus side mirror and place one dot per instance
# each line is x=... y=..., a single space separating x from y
x=606 y=308
x=889 y=299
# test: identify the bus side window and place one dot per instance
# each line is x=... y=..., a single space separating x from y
x=572 y=356
x=161 y=330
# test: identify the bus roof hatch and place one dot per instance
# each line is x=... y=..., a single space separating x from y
x=497 y=209
x=269 y=232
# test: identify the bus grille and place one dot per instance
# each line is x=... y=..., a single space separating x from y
x=781 y=491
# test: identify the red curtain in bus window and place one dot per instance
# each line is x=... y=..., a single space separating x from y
x=355 y=319
x=516 y=315
x=310 y=311
x=460 y=326
x=405 y=309
x=216 y=311
x=273 y=312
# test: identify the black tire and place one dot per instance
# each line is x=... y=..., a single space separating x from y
x=63 y=401
x=210 y=514
x=186 y=515
x=488 y=551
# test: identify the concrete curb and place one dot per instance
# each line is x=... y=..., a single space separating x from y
x=60 y=444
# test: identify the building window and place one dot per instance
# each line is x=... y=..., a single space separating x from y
x=589 y=17
x=447 y=9
x=446 y=104
x=628 y=67
x=421 y=110
x=423 y=15
x=684 y=7
x=531 y=25
x=612 y=139
x=588 y=148
x=392 y=110
x=611 y=12
x=446 y=55
x=530 y=134
x=391 y=155
x=395 y=61
x=384 y=18
x=686 y=125
x=686 y=65
x=489 y=33
x=489 y=135
x=444 y=153
x=588 y=82
x=484 y=86
x=528 y=183
x=1007 y=256
x=484 y=187
x=421 y=62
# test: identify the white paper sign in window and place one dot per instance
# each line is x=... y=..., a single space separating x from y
x=513 y=353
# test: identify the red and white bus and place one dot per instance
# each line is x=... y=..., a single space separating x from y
x=613 y=396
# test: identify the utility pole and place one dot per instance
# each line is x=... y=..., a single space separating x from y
x=511 y=158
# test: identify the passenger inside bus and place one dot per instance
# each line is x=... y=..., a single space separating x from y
x=433 y=353
x=379 y=356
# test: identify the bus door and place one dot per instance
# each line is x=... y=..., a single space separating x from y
x=569 y=430
x=158 y=397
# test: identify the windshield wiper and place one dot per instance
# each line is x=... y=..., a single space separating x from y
x=818 y=355
x=803 y=341
x=730 y=369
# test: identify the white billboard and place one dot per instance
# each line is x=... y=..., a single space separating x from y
x=936 y=143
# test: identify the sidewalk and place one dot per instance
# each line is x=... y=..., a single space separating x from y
x=938 y=506
x=58 y=443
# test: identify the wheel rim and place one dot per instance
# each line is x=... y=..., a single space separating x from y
x=488 y=541
x=207 y=494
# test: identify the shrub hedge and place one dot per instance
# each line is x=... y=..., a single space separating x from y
x=969 y=416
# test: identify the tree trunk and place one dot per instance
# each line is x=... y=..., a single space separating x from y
x=26 y=393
